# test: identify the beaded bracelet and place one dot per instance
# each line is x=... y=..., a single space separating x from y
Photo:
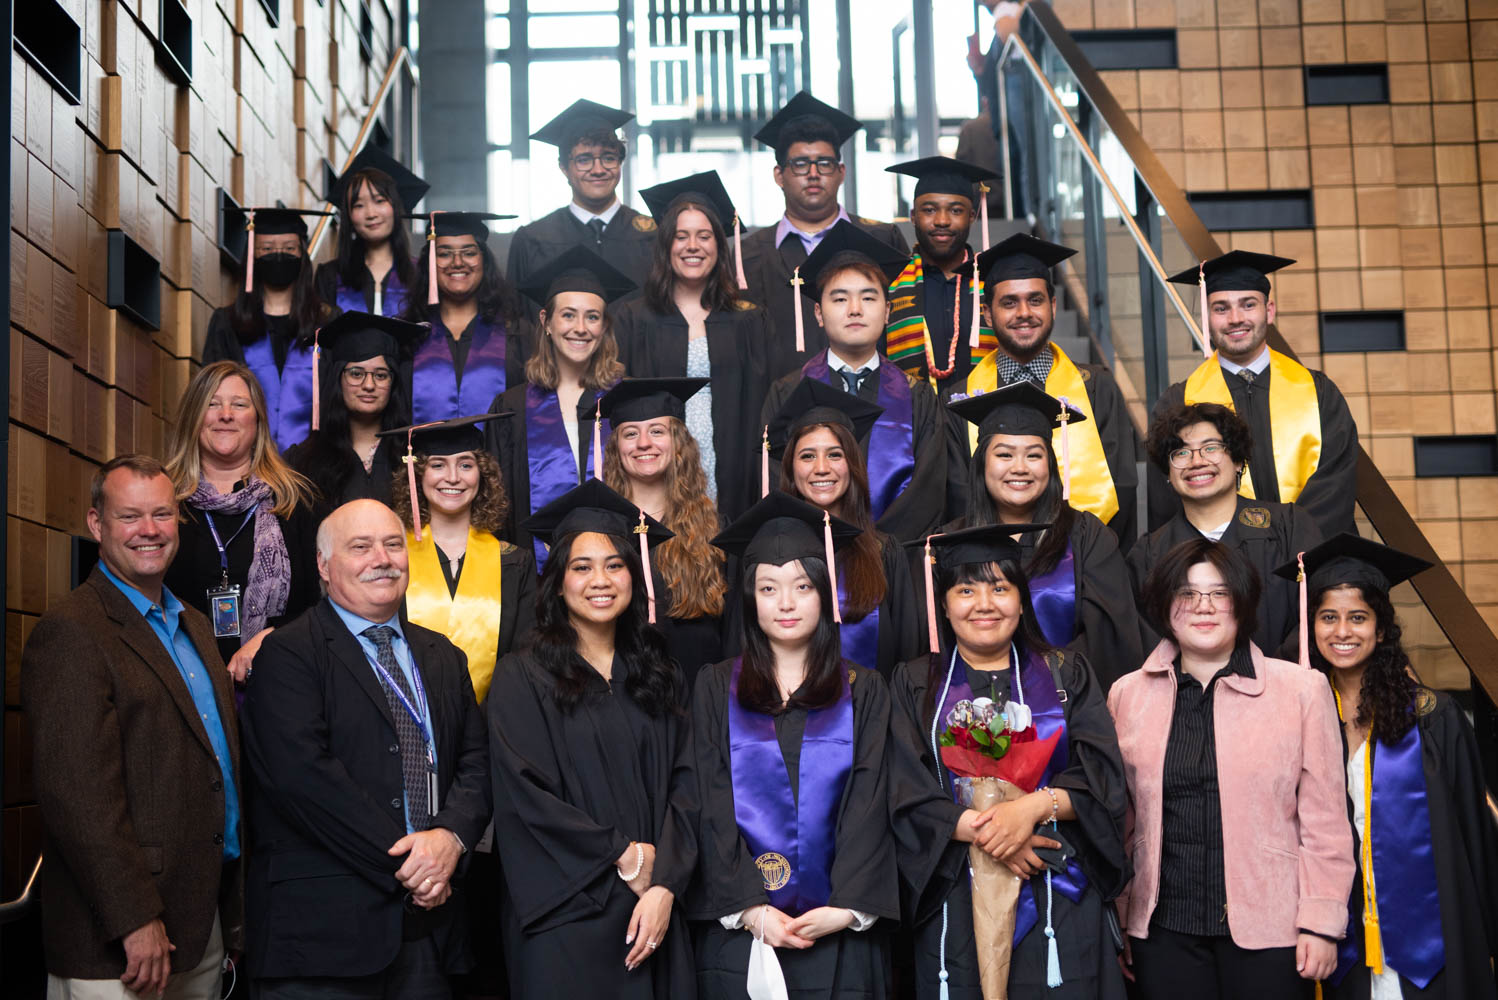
x=1055 y=803
x=639 y=864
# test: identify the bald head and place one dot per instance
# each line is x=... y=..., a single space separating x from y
x=361 y=557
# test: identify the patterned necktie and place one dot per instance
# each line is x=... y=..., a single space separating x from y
x=852 y=380
x=1247 y=375
x=596 y=225
x=414 y=768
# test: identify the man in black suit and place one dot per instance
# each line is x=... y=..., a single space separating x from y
x=369 y=765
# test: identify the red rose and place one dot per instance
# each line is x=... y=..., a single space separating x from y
x=962 y=736
x=1023 y=736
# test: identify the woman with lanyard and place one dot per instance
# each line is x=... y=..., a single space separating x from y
x=992 y=647
x=595 y=807
x=1423 y=914
x=247 y=556
x=373 y=268
x=795 y=843
x=691 y=322
x=479 y=338
x=652 y=459
x=270 y=325
x=816 y=435
x=361 y=395
x=1084 y=598
x=551 y=443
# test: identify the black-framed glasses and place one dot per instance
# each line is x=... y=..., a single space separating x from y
x=585 y=161
x=354 y=375
x=801 y=165
x=1211 y=452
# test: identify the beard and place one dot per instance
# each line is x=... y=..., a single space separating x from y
x=1014 y=349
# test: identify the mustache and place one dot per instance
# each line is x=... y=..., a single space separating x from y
x=379 y=573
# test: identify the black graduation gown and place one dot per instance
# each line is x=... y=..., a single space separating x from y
x=1266 y=535
x=572 y=789
x=327 y=279
x=1115 y=431
x=505 y=439
x=934 y=868
x=767 y=270
x=196 y=567
x=628 y=244
x=653 y=345
x=1331 y=491
x=693 y=643
x=845 y=965
x=221 y=343
x=519 y=342
x=356 y=483
x=933 y=302
x=1466 y=858
x=917 y=511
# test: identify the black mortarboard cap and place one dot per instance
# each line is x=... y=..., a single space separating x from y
x=803 y=105
x=358 y=336
x=460 y=223
x=779 y=529
x=815 y=402
x=592 y=507
x=845 y=237
x=1350 y=558
x=943 y=175
x=1018 y=408
x=1018 y=257
x=450 y=437
x=410 y=187
x=1235 y=271
x=276 y=221
x=635 y=399
x=707 y=186
x=577 y=269
x=581 y=116
x=988 y=544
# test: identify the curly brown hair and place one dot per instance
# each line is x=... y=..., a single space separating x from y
x=490 y=504
x=690 y=564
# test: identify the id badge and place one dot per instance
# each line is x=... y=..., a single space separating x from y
x=223 y=605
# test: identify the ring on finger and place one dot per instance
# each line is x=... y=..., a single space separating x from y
x=651 y=945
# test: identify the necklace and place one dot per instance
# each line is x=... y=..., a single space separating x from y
x=956 y=326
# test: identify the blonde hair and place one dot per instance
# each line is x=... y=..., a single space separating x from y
x=184 y=463
x=604 y=368
x=691 y=565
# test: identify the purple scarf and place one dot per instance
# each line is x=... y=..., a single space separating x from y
x=860 y=639
x=552 y=462
x=891 y=454
x=1054 y=595
x=288 y=389
x=436 y=393
x=269 y=583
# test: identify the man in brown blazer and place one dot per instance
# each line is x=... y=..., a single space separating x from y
x=135 y=750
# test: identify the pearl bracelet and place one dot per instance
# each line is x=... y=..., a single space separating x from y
x=639 y=864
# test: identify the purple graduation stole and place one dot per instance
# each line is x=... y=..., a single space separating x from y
x=860 y=639
x=891 y=458
x=288 y=391
x=435 y=393
x=793 y=838
x=1404 y=869
x=553 y=465
x=392 y=298
x=1054 y=595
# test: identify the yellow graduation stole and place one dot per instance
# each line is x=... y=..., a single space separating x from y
x=1294 y=419
x=470 y=618
x=1091 y=482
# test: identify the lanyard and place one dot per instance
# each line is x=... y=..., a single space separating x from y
x=223 y=555
x=418 y=711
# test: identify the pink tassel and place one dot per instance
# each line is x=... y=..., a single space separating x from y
x=1065 y=451
x=983 y=190
x=432 y=262
x=642 y=531
x=764 y=465
x=1305 y=626
x=796 y=283
x=411 y=482
x=316 y=389
x=738 y=253
x=931 y=601
x=975 y=338
x=837 y=613
x=249 y=253
x=1201 y=294
x=598 y=438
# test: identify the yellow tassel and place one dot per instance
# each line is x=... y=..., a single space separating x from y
x=1373 y=950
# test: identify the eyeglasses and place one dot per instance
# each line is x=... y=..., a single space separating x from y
x=1211 y=452
x=467 y=255
x=585 y=161
x=1218 y=600
x=801 y=165
x=356 y=376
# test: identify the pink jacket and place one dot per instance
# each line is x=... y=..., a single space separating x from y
x=1287 y=844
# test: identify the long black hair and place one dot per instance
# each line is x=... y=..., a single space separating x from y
x=1386 y=697
x=1049 y=509
x=758 y=689
x=327 y=457
x=650 y=677
x=1028 y=638
x=308 y=311
x=496 y=299
x=351 y=249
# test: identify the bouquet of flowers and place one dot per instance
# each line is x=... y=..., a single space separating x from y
x=995 y=756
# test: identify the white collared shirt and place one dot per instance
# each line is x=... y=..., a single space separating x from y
x=1257 y=365
x=837 y=364
x=584 y=216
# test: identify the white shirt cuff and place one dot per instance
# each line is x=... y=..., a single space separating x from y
x=861 y=921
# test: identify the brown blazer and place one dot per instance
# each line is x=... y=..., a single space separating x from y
x=131 y=796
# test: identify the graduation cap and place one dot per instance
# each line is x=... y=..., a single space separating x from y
x=846 y=238
x=1347 y=558
x=708 y=187
x=442 y=437
x=578 y=269
x=636 y=399
x=580 y=118
x=945 y=175
x=814 y=402
x=982 y=545
x=440 y=223
x=803 y=105
x=410 y=187
x=1019 y=257
x=1235 y=271
x=1022 y=408
x=780 y=529
x=356 y=336
x=273 y=220
x=594 y=507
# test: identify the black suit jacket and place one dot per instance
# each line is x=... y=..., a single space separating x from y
x=327 y=798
